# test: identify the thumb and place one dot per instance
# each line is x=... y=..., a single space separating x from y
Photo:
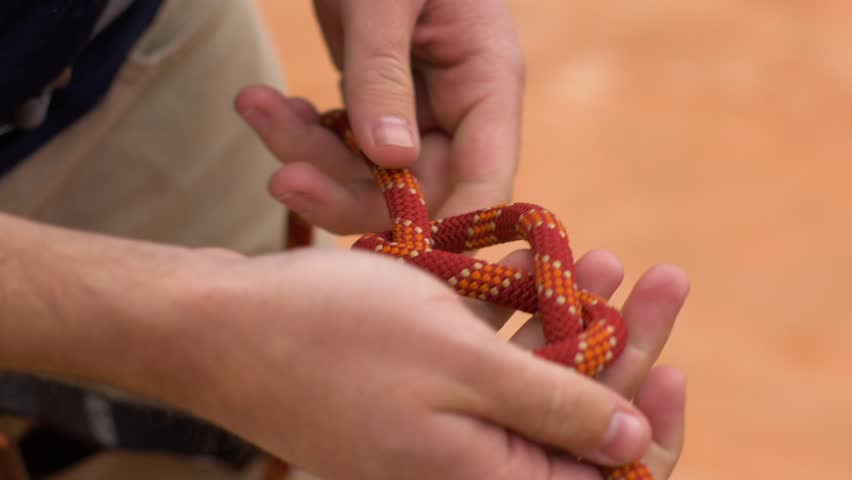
x=556 y=406
x=378 y=85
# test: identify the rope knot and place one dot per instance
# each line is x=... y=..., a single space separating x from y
x=582 y=331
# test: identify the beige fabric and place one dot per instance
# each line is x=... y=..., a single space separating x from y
x=165 y=158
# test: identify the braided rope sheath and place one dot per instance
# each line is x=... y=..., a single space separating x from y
x=582 y=331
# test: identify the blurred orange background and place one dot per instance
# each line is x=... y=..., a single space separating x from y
x=714 y=134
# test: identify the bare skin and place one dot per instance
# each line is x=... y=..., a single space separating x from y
x=454 y=73
x=448 y=72
x=302 y=352
x=285 y=348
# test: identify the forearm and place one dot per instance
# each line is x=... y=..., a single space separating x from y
x=81 y=305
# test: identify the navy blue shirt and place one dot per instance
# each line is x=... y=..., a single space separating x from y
x=41 y=38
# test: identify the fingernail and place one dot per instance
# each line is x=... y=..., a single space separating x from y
x=297 y=201
x=258 y=120
x=393 y=131
x=623 y=441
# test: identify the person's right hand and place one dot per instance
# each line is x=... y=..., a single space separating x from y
x=355 y=366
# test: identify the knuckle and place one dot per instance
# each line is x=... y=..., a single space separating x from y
x=389 y=69
x=574 y=417
x=561 y=401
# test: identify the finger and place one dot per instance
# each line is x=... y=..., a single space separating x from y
x=482 y=107
x=663 y=400
x=598 y=271
x=558 y=407
x=432 y=170
x=271 y=105
x=328 y=16
x=322 y=201
x=348 y=205
x=290 y=129
x=525 y=459
x=220 y=253
x=379 y=88
x=426 y=120
x=570 y=469
x=497 y=315
x=484 y=158
x=650 y=312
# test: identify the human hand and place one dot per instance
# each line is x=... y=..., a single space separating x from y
x=354 y=366
x=344 y=362
x=650 y=311
x=449 y=69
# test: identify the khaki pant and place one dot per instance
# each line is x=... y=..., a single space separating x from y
x=165 y=158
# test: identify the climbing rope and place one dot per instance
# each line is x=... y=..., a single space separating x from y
x=582 y=331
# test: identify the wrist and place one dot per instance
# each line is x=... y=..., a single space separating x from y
x=84 y=306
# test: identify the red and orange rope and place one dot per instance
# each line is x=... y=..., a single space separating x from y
x=582 y=331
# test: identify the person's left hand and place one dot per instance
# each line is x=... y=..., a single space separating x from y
x=447 y=73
